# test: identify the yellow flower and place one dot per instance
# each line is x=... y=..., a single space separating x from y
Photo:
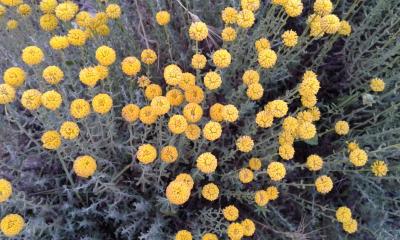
x=192 y=112
x=102 y=103
x=308 y=101
x=59 y=42
x=147 y=115
x=231 y=213
x=245 y=144
x=178 y=192
x=352 y=146
x=130 y=112
x=152 y=91
x=76 y=37
x=246 y=175
x=102 y=71
x=350 y=226
x=342 y=127
x=194 y=94
x=264 y=119
x=216 y=112
x=163 y=18
x=343 y=214
x=286 y=138
x=24 y=10
x=235 y=231
x=377 y=85
x=358 y=157
x=51 y=140
x=12 y=224
x=113 y=11
x=323 y=7
x=272 y=193
x=310 y=84
x=206 y=162
x=221 y=58
x=12 y=24
x=316 y=26
x=146 y=153
x=69 y=130
x=177 y=124
x=85 y=166
x=210 y=191
x=31 y=99
x=255 y=91
x=230 y=113
x=323 y=184
x=188 y=80
x=175 y=97
x=245 y=18
x=304 y=116
x=51 y=100
x=5 y=190
x=199 y=61
x=105 y=55
x=314 y=162
x=89 y=76
x=83 y=19
x=169 y=154
x=14 y=76
x=66 y=11
x=48 y=6
x=293 y=8
x=306 y=130
x=32 y=55
x=48 y=22
x=286 y=151
x=183 y=235
x=79 y=108
x=229 y=15
x=198 y=31
x=289 y=38
x=250 y=76
x=248 y=227
x=172 y=74
x=276 y=171
x=212 y=131
x=379 y=168
x=212 y=80
x=278 y=108
x=148 y=56
x=209 y=236
x=316 y=114
x=160 y=105
x=267 y=58
x=228 y=34
x=261 y=198
x=193 y=132
x=345 y=28
x=262 y=44
x=290 y=124
x=330 y=23
x=11 y=3
x=186 y=179
x=53 y=74
x=252 y=5
x=144 y=81
x=255 y=164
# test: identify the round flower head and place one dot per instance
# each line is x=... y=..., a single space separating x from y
x=59 y=42
x=222 y=58
x=267 y=58
x=31 y=99
x=248 y=227
x=278 y=108
x=212 y=131
x=12 y=24
x=286 y=151
x=89 y=76
x=379 y=168
x=216 y=112
x=69 y=130
x=252 y=5
x=79 y=108
x=187 y=81
x=272 y=193
x=245 y=18
x=102 y=103
x=130 y=66
x=51 y=100
x=172 y=74
x=52 y=74
x=276 y=171
x=345 y=28
x=102 y=71
x=255 y=91
x=105 y=55
x=147 y=115
x=229 y=15
x=169 y=154
x=144 y=81
x=289 y=38
x=199 y=61
x=245 y=144
x=231 y=213
x=130 y=112
x=343 y=214
x=255 y=164
x=76 y=37
x=66 y=11
x=14 y=76
x=210 y=191
x=24 y=10
x=48 y=22
x=146 y=153
x=5 y=190
x=209 y=236
x=286 y=138
x=51 y=140
x=261 y=198
x=323 y=184
x=148 y=56
x=178 y=192
x=246 y=175
x=230 y=113
x=350 y=226
x=163 y=18
x=206 y=162
x=113 y=11
x=192 y=112
x=11 y=225
x=160 y=105
x=194 y=94
x=308 y=101
x=377 y=85
x=11 y=3
x=290 y=124
x=228 y=34
x=177 y=124
x=330 y=23
x=186 y=179
x=198 y=31
x=323 y=7
x=314 y=162
x=250 y=76
x=306 y=130
x=193 y=132
x=262 y=44
x=235 y=231
x=175 y=97
x=358 y=157
x=183 y=235
x=212 y=80
x=32 y=55
x=293 y=8
x=316 y=27
x=342 y=127
x=264 y=119
x=85 y=166
x=48 y=6
x=83 y=18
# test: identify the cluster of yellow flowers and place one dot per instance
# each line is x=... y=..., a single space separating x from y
x=344 y=216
